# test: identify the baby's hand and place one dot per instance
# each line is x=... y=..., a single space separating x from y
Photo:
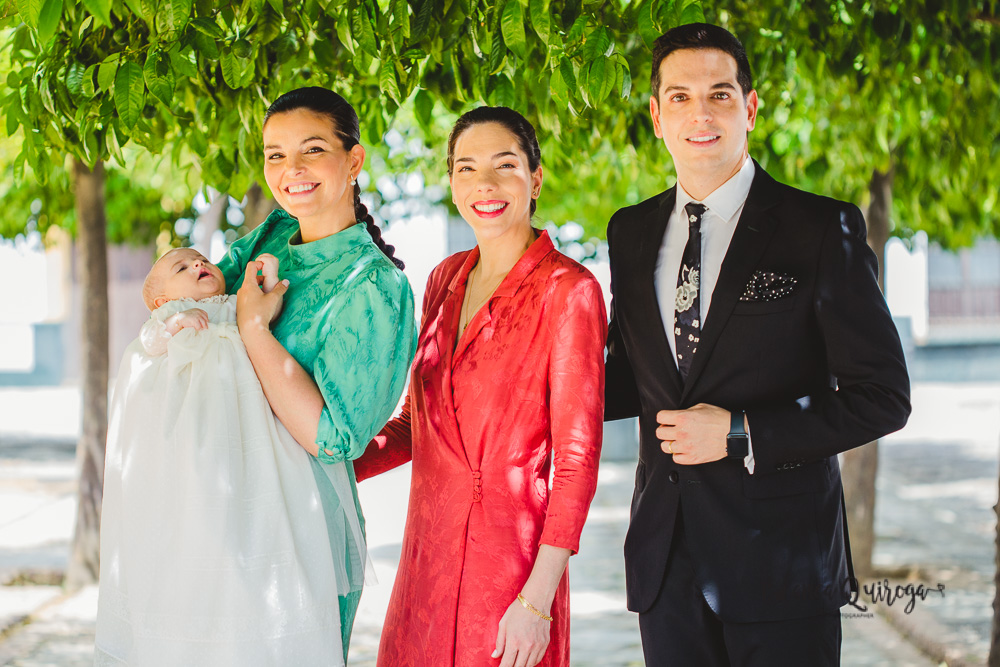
x=196 y=318
x=269 y=271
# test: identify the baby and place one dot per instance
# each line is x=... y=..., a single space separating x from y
x=214 y=543
x=184 y=273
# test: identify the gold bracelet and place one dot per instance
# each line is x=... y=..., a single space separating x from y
x=527 y=605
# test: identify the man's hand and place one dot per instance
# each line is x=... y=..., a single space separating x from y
x=196 y=318
x=693 y=436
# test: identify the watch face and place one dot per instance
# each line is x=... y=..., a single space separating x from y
x=736 y=446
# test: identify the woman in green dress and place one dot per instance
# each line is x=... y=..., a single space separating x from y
x=332 y=343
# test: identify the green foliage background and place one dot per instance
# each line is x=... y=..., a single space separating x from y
x=848 y=86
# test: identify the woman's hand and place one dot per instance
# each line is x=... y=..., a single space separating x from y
x=522 y=637
x=255 y=310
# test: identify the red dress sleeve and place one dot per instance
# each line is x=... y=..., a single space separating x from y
x=579 y=329
x=392 y=447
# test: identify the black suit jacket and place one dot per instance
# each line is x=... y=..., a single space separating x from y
x=818 y=371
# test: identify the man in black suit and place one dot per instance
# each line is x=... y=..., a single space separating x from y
x=749 y=335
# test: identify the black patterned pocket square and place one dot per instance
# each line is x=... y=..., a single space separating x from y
x=768 y=286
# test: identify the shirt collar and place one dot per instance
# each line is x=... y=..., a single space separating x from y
x=332 y=247
x=726 y=199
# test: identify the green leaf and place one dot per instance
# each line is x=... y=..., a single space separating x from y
x=566 y=71
x=361 y=30
x=48 y=20
x=106 y=72
x=498 y=53
x=576 y=31
x=541 y=20
x=512 y=27
x=401 y=18
x=223 y=163
x=89 y=89
x=172 y=16
x=147 y=10
x=111 y=139
x=626 y=89
x=232 y=68
x=600 y=80
x=135 y=7
x=207 y=47
x=423 y=105
x=413 y=54
x=558 y=88
x=14 y=115
x=183 y=61
x=667 y=17
x=387 y=81
x=129 y=94
x=269 y=25
x=692 y=13
x=500 y=90
x=100 y=9
x=29 y=10
x=208 y=27
x=74 y=79
x=644 y=24
x=159 y=76
x=422 y=20
x=596 y=44
x=277 y=6
x=456 y=71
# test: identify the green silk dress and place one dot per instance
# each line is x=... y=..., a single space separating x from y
x=348 y=320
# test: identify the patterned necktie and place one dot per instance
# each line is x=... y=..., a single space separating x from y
x=687 y=314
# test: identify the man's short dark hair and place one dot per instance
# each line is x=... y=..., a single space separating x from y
x=701 y=36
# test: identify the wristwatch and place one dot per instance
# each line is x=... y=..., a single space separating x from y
x=737 y=442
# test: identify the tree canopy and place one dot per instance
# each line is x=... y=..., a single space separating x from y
x=848 y=86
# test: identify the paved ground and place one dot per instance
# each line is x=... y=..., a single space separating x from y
x=937 y=484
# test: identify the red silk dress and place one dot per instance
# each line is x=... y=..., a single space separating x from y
x=486 y=421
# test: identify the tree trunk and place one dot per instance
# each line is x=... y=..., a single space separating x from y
x=88 y=186
x=209 y=222
x=256 y=207
x=994 y=658
x=861 y=464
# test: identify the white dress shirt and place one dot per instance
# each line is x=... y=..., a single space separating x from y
x=723 y=209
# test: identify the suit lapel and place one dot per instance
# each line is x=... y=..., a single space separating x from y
x=753 y=233
x=651 y=239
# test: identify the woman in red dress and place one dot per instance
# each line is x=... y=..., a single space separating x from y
x=507 y=390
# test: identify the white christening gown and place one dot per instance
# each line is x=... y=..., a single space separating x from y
x=214 y=546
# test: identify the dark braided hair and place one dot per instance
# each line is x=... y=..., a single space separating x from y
x=514 y=122
x=347 y=127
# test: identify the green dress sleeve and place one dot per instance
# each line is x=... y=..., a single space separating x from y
x=362 y=367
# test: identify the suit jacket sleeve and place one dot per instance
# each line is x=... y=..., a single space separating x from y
x=869 y=393
x=621 y=396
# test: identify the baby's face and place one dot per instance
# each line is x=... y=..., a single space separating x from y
x=183 y=273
